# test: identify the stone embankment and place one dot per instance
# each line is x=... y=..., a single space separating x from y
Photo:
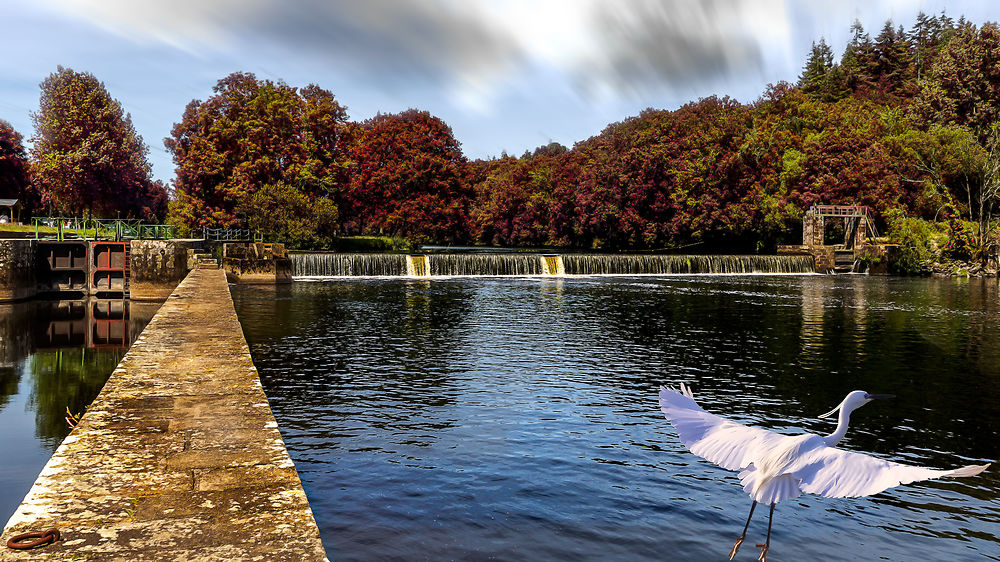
x=179 y=457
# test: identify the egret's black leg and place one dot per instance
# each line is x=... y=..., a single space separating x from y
x=767 y=542
x=739 y=541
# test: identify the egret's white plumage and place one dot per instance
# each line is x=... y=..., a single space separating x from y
x=774 y=467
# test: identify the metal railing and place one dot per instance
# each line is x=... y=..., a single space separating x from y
x=67 y=228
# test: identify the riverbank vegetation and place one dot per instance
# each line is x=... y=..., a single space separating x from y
x=904 y=122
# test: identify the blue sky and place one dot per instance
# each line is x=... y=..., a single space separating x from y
x=507 y=75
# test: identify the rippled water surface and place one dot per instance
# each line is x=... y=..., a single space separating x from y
x=517 y=419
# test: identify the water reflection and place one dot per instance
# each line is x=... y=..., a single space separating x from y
x=516 y=419
x=55 y=356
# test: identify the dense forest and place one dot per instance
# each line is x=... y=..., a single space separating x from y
x=905 y=122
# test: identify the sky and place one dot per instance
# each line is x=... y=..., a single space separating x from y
x=506 y=75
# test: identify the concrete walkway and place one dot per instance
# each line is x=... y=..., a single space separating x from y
x=179 y=457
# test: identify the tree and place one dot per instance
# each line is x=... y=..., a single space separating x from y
x=87 y=157
x=407 y=179
x=14 y=181
x=960 y=87
x=856 y=61
x=290 y=216
x=256 y=143
x=989 y=198
x=821 y=78
x=946 y=160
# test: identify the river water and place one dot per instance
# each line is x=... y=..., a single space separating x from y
x=517 y=418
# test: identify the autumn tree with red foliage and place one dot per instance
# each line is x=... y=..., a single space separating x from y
x=262 y=155
x=899 y=124
x=14 y=182
x=407 y=179
x=527 y=201
x=87 y=158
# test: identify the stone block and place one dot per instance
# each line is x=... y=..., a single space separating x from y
x=256 y=263
x=157 y=266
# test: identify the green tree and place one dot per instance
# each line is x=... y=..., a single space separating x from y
x=291 y=216
x=821 y=78
x=254 y=142
x=989 y=199
x=87 y=157
x=960 y=87
x=946 y=160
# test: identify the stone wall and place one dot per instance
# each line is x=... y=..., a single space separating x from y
x=257 y=263
x=157 y=266
x=17 y=270
x=875 y=260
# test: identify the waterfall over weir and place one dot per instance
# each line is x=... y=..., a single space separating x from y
x=584 y=264
x=463 y=265
x=528 y=264
x=348 y=265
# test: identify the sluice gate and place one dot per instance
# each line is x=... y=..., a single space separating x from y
x=81 y=266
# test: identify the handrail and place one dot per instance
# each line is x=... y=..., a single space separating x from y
x=842 y=210
x=232 y=234
x=103 y=229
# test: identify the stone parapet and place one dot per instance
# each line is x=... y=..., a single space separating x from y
x=157 y=266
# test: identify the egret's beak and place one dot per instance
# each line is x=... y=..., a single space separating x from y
x=880 y=396
x=831 y=412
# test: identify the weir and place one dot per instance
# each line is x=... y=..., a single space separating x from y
x=179 y=457
x=465 y=265
x=530 y=264
x=683 y=265
x=348 y=265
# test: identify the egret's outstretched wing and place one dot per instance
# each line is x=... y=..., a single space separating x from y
x=836 y=473
x=726 y=443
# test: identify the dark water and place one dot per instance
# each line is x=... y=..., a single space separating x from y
x=54 y=356
x=517 y=419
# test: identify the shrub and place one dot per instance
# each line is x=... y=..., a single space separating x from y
x=917 y=240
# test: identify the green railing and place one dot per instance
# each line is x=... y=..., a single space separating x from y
x=67 y=228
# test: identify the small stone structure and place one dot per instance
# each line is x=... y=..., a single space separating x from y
x=179 y=457
x=157 y=266
x=17 y=269
x=256 y=263
x=830 y=258
x=856 y=224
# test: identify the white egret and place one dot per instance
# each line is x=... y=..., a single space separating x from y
x=775 y=467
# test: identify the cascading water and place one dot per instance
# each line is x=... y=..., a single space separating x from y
x=418 y=266
x=527 y=264
x=462 y=265
x=552 y=265
x=348 y=265
x=584 y=264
